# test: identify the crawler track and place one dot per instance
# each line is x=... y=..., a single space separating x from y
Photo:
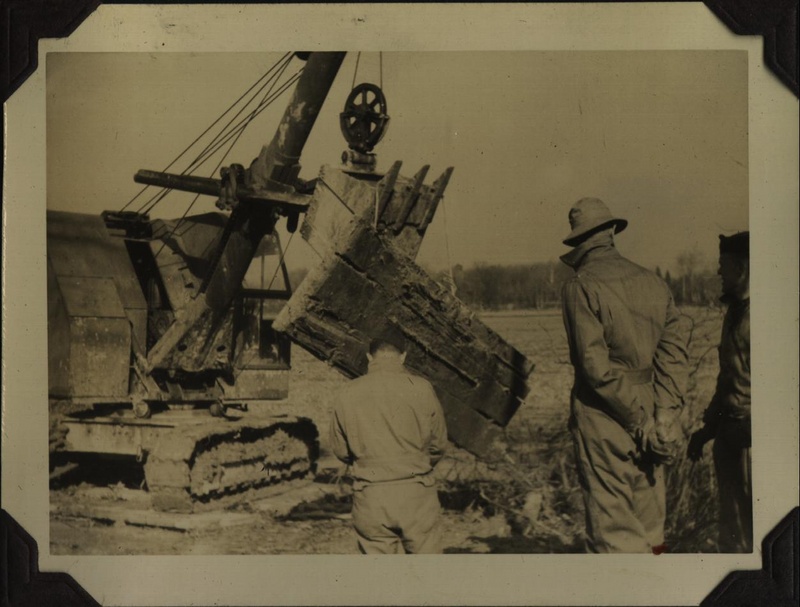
x=225 y=466
x=207 y=468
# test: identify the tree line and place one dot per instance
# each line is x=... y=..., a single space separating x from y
x=537 y=286
x=496 y=287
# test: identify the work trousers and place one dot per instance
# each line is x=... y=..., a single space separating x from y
x=397 y=518
x=732 y=465
x=625 y=501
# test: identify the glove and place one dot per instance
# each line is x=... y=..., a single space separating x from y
x=697 y=441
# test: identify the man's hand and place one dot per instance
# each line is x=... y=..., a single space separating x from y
x=696 y=443
x=642 y=433
x=663 y=451
x=660 y=439
x=668 y=426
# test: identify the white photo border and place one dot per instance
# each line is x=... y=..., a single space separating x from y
x=436 y=580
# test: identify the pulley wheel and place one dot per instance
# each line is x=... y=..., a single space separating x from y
x=364 y=118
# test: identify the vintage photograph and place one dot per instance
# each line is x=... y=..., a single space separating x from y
x=398 y=302
x=287 y=288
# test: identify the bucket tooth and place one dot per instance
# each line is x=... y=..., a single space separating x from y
x=386 y=190
x=408 y=198
x=431 y=200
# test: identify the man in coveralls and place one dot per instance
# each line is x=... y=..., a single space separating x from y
x=727 y=418
x=630 y=361
x=388 y=426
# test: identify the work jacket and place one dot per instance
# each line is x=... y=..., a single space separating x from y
x=388 y=425
x=625 y=338
x=732 y=395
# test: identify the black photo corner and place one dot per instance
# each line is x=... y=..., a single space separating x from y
x=24 y=22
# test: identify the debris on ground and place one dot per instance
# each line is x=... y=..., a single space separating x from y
x=328 y=506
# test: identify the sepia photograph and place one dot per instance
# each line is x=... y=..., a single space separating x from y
x=195 y=350
x=389 y=297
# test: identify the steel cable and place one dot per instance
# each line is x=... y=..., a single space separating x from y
x=222 y=138
x=239 y=128
x=188 y=147
x=355 y=71
x=159 y=196
x=235 y=133
x=263 y=105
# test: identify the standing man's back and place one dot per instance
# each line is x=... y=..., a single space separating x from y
x=630 y=363
x=615 y=315
x=388 y=426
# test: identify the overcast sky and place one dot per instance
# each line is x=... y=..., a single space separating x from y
x=660 y=136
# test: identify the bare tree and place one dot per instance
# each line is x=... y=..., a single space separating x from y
x=695 y=282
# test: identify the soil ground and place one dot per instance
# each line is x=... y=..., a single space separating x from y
x=463 y=532
x=531 y=504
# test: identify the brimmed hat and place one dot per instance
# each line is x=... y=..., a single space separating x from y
x=590 y=215
x=738 y=244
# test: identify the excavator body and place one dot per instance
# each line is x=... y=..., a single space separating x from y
x=164 y=335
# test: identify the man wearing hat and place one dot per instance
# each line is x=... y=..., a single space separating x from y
x=727 y=418
x=629 y=355
x=388 y=426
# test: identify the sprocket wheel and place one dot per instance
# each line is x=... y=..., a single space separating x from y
x=364 y=119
